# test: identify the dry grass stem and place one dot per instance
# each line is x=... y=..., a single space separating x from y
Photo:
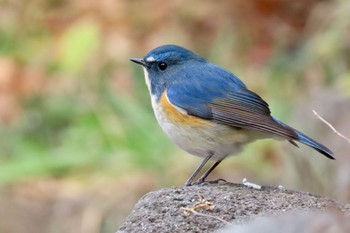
x=331 y=126
x=191 y=210
x=202 y=204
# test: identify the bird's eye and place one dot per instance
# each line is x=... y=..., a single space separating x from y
x=162 y=65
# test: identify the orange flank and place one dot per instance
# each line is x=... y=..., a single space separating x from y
x=177 y=116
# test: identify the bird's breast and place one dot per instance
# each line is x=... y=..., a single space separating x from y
x=195 y=135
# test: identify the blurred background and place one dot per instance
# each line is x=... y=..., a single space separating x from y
x=79 y=144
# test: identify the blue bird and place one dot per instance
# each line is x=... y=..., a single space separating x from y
x=208 y=111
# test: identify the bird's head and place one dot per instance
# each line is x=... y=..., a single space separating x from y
x=162 y=63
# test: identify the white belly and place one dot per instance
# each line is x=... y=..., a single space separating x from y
x=218 y=139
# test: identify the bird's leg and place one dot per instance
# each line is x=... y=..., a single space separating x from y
x=195 y=173
x=206 y=174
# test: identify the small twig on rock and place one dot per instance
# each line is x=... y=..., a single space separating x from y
x=204 y=215
x=331 y=126
x=202 y=204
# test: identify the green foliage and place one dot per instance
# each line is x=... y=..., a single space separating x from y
x=59 y=136
x=77 y=44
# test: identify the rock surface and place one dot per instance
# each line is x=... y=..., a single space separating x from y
x=210 y=207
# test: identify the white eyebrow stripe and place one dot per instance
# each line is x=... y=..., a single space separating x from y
x=150 y=59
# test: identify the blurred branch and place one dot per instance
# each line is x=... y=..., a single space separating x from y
x=330 y=126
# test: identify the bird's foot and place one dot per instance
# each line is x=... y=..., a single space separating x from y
x=203 y=182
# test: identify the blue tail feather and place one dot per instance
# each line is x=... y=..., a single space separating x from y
x=315 y=145
x=308 y=141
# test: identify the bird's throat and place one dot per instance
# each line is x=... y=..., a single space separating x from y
x=147 y=80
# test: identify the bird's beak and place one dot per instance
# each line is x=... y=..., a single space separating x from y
x=138 y=61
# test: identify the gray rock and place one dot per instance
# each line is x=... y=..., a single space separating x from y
x=295 y=222
x=162 y=210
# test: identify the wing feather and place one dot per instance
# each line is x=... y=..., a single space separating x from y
x=221 y=98
x=234 y=113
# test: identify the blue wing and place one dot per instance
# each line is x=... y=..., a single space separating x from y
x=216 y=94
